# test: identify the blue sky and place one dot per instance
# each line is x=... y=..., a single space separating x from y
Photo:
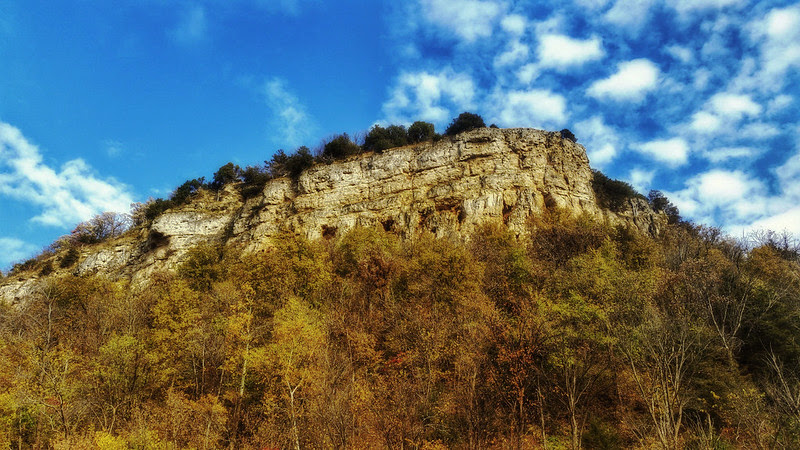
x=107 y=103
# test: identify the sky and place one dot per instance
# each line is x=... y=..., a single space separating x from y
x=103 y=104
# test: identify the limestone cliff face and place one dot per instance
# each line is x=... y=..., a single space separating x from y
x=448 y=187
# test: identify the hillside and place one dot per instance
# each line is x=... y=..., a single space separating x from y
x=484 y=290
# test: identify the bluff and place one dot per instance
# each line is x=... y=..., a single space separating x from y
x=448 y=187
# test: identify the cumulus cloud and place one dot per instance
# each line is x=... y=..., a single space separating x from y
x=290 y=122
x=641 y=179
x=734 y=105
x=723 y=197
x=631 y=82
x=467 y=19
x=429 y=96
x=562 y=52
x=514 y=24
x=62 y=197
x=532 y=108
x=601 y=141
x=778 y=36
x=631 y=15
x=673 y=152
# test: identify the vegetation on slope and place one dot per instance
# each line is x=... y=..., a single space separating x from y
x=579 y=335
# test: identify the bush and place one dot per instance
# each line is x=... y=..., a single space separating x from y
x=421 y=132
x=659 y=202
x=612 y=194
x=154 y=208
x=566 y=134
x=254 y=179
x=340 y=147
x=100 y=228
x=298 y=162
x=69 y=259
x=187 y=189
x=379 y=139
x=464 y=122
x=225 y=175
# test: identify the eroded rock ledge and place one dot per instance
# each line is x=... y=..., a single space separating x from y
x=448 y=187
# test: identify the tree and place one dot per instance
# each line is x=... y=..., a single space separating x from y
x=226 y=174
x=566 y=134
x=659 y=202
x=464 y=122
x=421 y=132
x=183 y=192
x=298 y=162
x=379 y=139
x=100 y=228
x=340 y=147
x=298 y=338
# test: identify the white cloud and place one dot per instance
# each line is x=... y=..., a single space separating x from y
x=641 y=179
x=561 y=52
x=291 y=122
x=533 y=108
x=721 y=154
x=468 y=19
x=779 y=103
x=631 y=82
x=758 y=131
x=724 y=197
x=702 y=76
x=514 y=24
x=14 y=250
x=63 y=198
x=788 y=220
x=674 y=152
x=705 y=122
x=429 y=96
x=592 y=4
x=734 y=105
x=688 y=6
x=601 y=140
x=527 y=73
x=192 y=26
x=629 y=14
x=778 y=35
x=516 y=51
x=680 y=53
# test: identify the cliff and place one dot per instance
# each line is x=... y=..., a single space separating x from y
x=448 y=187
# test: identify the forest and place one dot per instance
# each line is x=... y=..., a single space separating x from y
x=569 y=334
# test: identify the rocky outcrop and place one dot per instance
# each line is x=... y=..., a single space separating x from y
x=448 y=187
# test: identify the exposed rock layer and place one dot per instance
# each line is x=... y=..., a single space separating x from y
x=449 y=187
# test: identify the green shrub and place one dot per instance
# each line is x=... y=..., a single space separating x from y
x=379 y=139
x=226 y=174
x=612 y=194
x=183 y=192
x=421 y=132
x=299 y=161
x=464 y=122
x=659 y=202
x=340 y=147
x=70 y=258
x=254 y=178
x=154 y=208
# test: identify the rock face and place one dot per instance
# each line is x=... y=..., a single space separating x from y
x=448 y=187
